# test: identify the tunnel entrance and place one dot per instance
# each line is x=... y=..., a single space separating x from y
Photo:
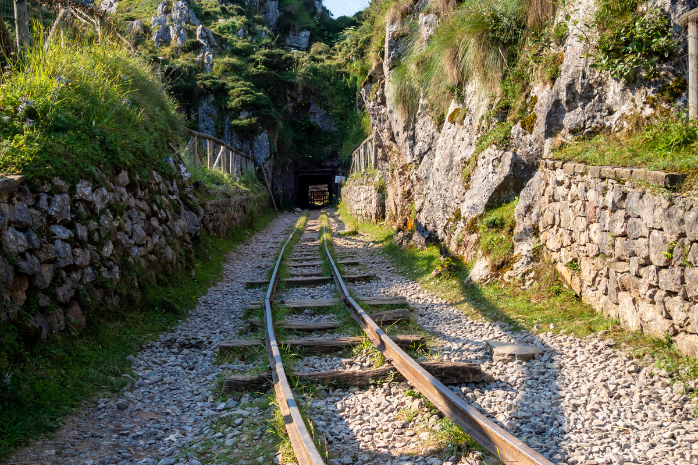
x=315 y=189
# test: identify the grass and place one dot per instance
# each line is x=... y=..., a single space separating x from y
x=477 y=41
x=78 y=109
x=665 y=143
x=60 y=374
x=546 y=302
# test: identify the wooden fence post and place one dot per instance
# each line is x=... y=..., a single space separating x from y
x=690 y=18
x=196 y=151
x=21 y=24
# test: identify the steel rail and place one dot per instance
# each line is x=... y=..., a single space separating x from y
x=301 y=440
x=495 y=439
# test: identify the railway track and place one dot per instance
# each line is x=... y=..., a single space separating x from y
x=428 y=378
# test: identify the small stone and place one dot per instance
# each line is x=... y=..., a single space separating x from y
x=122 y=405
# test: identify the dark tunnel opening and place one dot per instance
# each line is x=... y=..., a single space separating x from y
x=315 y=189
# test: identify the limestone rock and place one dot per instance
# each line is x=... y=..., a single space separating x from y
x=75 y=317
x=507 y=352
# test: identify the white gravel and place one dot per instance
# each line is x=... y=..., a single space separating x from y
x=582 y=402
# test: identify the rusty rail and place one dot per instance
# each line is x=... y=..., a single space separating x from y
x=496 y=440
x=301 y=440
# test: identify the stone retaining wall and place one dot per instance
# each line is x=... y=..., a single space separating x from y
x=365 y=202
x=71 y=252
x=630 y=253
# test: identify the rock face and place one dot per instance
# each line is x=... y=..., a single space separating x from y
x=298 y=40
x=433 y=169
x=629 y=253
x=177 y=25
x=77 y=253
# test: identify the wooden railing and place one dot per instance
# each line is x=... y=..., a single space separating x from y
x=220 y=155
x=366 y=156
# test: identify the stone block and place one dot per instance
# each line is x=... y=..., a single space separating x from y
x=624 y=174
x=623 y=249
x=29 y=265
x=673 y=221
x=636 y=228
x=42 y=280
x=636 y=264
x=639 y=175
x=608 y=172
x=509 y=352
x=671 y=279
x=678 y=309
x=691 y=224
x=691 y=280
x=568 y=169
x=693 y=318
x=64 y=253
x=8 y=185
x=659 y=245
x=579 y=168
x=613 y=287
x=687 y=344
x=75 y=317
x=632 y=203
x=617 y=224
x=14 y=241
x=594 y=171
x=627 y=312
x=652 y=321
x=650 y=274
x=641 y=248
x=610 y=310
x=662 y=178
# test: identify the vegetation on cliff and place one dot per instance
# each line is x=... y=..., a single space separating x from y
x=81 y=110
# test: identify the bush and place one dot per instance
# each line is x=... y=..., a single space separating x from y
x=636 y=46
x=478 y=40
x=77 y=109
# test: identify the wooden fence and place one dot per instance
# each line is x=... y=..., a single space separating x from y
x=366 y=156
x=219 y=155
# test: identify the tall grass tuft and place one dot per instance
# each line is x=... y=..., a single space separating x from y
x=75 y=108
x=477 y=41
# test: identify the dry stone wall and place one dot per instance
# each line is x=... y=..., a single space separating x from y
x=631 y=253
x=365 y=202
x=69 y=253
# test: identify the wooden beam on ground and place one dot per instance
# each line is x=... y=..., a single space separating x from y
x=387 y=317
x=311 y=279
x=324 y=344
x=318 y=303
x=446 y=372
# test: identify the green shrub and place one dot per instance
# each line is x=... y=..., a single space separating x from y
x=665 y=143
x=75 y=109
x=479 y=40
x=636 y=46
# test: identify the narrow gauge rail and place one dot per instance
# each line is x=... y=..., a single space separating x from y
x=301 y=440
x=488 y=434
x=495 y=439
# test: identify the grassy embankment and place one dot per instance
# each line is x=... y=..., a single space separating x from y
x=80 y=110
x=546 y=302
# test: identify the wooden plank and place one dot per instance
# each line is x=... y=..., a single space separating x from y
x=301 y=264
x=316 y=303
x=446 y=372
x=320 y=345
x=348 y=261
x=310 y=279
x=387 y=317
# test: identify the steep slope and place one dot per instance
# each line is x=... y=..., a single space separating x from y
x=264 y=77
x=466 y=99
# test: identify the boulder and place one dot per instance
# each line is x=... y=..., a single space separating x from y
x=509 y=352
x=75 y=317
